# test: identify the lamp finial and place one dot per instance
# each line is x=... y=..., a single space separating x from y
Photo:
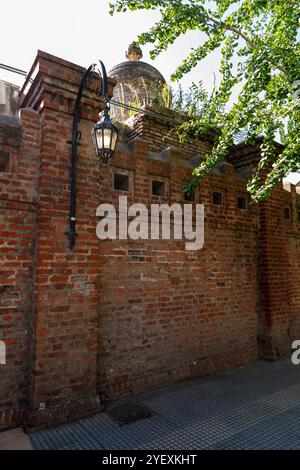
x=134 y=52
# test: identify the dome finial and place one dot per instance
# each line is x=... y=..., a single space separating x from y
x=134 y=52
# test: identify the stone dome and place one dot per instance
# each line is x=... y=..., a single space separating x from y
x=138 y=83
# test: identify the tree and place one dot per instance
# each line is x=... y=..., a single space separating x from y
x=258 y=41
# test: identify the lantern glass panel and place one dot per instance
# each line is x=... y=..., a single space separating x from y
x=107 y=138
x=99 y=138
x=114 y=140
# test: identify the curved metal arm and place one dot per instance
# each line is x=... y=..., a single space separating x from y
x=84 y=84
x=104 y=88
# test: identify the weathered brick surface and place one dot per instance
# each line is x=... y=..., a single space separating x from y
x=162 y=132
x=64 y=341
x=111 y=318
x=166 y=313
x=280 y=275
x=18 y=205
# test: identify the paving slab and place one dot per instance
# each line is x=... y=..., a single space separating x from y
x=254 y=407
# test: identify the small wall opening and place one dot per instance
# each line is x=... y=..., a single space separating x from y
x=4 y=162
x=287 y=213
x=218 y=198
x=242 y=203
x=158 y=188
x=190 y=196
x=121 y=182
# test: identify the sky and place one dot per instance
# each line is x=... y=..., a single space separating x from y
x=82 y=32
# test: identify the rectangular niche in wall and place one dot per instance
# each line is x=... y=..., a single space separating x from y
x=4 y=162
x=242 y=203
x=288 y=213
x=218 y=198
x=158 y=188
x=121 y=181
x=190 y=196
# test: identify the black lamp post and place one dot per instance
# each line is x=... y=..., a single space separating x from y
x=104 y=134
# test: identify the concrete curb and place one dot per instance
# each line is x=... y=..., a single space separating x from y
x=14 y=439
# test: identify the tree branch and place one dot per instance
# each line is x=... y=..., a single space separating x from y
x=246 y=39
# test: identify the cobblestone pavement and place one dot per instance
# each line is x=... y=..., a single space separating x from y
x=256 y=407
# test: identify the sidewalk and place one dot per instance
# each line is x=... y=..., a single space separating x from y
x=14 y=439
x=256 y=407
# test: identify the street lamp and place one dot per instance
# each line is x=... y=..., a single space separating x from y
x=104 y=134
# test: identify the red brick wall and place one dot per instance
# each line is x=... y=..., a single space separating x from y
x=167 y=313
x=162 y=132
x=65 y=289
x=279 y=254
x=114 y=317
x=18 y=197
